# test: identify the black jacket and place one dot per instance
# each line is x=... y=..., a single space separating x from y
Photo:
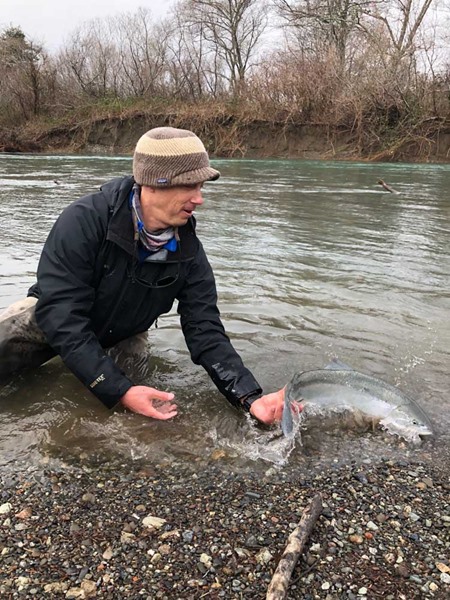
x=92 y=293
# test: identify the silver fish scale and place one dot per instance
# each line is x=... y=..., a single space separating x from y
x=333 y=388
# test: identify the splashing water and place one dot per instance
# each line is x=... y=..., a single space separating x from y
x=255 y=444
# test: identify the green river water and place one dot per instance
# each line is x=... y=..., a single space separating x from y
x=313 y=260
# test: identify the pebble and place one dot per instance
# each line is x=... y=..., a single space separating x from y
x=155 y=522
x=356 y=539
x=264 y=556
x=108 y=553
x=443 y=568
x=5 y=508
x=24 y=514
x=88 y=498
x=402 y=570
x=188 y=536
x=361 y=478
x=253 y=495
x=206 y=560
x=223 y=548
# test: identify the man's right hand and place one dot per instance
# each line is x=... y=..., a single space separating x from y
x=149 y=402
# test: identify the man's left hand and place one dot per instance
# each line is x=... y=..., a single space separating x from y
x=269 y=408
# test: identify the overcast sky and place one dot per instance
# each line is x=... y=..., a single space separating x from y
x=51 y=21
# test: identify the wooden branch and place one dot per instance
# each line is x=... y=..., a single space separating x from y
x=387 y=187
x=296 y=542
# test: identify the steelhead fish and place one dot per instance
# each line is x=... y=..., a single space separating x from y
x=339 y=388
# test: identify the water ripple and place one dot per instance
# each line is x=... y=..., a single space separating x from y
x=312 y=260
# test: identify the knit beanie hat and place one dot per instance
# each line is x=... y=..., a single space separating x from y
x=168 y=157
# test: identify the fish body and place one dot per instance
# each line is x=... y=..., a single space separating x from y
x=339 y=388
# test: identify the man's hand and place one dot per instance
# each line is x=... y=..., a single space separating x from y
x=150 y=402
x=269 y=408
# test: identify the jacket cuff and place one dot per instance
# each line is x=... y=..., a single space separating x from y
x=111 y=400
x=247 y=401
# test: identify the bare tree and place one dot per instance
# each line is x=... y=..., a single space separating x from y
x=142 y=46
x=233 y=28
x=196 y=69
x=326 y=23
x=92 y=60
x=292 y=85
x=402 y=20
x=396 y=32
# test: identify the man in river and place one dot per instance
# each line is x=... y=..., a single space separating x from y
x=115 y=260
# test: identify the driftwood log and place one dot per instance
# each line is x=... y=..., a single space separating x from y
x=387 y=187
x=278 y=587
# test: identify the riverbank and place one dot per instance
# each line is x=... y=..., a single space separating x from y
x=111 y=531
x=232 y=135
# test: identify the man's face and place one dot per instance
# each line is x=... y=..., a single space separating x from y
x=171 y=207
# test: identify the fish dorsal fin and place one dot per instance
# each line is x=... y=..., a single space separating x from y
x=337 y=365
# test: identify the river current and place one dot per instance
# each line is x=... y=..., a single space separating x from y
x=313 y=261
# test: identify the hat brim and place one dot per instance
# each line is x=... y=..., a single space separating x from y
x=194 y=177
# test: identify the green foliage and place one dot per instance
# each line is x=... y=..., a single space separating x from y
x=13 y=33
x=16 y=50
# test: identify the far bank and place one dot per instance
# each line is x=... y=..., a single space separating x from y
x=234 y=136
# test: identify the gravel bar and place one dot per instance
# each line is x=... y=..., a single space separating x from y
x=164 y=532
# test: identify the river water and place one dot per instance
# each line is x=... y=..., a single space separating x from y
x=313 y=260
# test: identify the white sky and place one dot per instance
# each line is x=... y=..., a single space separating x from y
x=51 y=21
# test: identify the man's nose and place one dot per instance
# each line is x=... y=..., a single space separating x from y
x=197 y=197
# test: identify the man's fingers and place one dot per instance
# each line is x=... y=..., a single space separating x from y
x=164 y=396
x=164 y=416
x=165 y=408
x=278 y=413
x=150 y=402
x=297 y=407
x=160 y=414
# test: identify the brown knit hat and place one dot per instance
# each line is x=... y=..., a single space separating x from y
x=167 y=157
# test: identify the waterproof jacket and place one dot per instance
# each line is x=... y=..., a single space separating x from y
x=93 y=292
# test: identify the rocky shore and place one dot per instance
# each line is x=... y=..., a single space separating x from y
x=164 y=532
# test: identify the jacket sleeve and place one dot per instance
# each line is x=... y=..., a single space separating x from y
x=205 y=335
x=65 y=281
